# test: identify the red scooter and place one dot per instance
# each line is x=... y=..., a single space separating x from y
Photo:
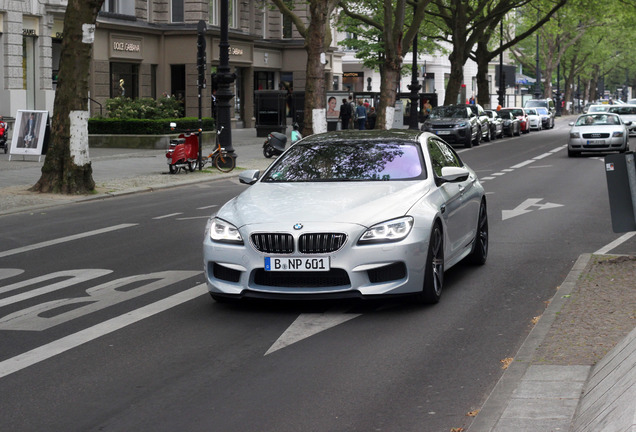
x=183 y=151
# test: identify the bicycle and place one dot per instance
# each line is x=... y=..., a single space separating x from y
x=223 y=161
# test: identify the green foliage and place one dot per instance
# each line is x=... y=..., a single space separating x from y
x=144 y=108
x=145 y=126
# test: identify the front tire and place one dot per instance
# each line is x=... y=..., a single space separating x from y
x=479 y=254
x=434 y=270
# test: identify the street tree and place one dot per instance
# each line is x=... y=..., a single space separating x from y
x=487 y=46
x=398 y=25
x=317 y=35
x=67 y=168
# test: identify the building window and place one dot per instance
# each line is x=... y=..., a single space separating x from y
x=177 y=10
x=121 y=7
x=214 y=13
x=124 y=80
x=287 y=22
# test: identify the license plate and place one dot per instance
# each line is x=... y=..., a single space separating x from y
x=595 y=142
x=296 y=264
x=443 y=132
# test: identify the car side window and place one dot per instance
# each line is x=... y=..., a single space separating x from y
x=442 y=155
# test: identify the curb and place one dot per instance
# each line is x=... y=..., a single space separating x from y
x=501 y=394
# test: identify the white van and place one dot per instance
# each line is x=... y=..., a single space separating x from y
x=545 y=103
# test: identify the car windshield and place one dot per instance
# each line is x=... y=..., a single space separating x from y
x=348 y=161
x=505 y=114
x=597 y=119
x=542 y=111
x=531 y=111
x=449 y=112
x=516 y=112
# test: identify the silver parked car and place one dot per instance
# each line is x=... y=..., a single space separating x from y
x=627 y=113
x=598 y=132
x=349 y=214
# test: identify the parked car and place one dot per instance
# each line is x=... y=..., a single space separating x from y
x=598 y=132
x=520 y=113
x=547 y=120
x=544 y=103
x=496 y=124
x=484 y=120
x=510 y=123
x=627 y=113
x=455 y=124
x=595 y=108
x=534 y=119
x=349 y=215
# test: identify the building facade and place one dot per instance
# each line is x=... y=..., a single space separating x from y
x=147 y=48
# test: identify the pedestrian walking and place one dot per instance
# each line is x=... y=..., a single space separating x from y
x=361 y=115
x=345 y=114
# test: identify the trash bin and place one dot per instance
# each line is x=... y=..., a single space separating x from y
x=620 y=170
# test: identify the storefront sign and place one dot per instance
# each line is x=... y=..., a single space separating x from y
x=126 y=47
x=30 y=26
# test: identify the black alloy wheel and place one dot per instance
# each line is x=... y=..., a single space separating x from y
x=479 y=254
x=434 y=269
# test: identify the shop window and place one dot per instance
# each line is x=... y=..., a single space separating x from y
x=124 y=80
x=263 y=80
x=178 y=81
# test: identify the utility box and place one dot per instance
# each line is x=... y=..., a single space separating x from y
x=620 y=170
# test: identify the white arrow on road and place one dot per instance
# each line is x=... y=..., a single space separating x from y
x=524 y=207
x=308 y=325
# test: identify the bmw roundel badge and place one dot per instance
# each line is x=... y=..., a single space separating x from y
x=298 y=226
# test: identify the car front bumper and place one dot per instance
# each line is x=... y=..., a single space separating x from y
x=355 y=271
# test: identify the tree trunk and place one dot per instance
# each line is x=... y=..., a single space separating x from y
x=67 y=168
x=455 y=80
x=483 y=91
x=315 y=87
x=388 y=93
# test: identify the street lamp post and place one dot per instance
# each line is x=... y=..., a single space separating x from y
x=502 y=82
x=224 y=79
x=415 y=88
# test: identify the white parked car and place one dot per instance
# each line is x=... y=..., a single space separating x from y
x=349 y=215
x=534 y=119
x=627 y=113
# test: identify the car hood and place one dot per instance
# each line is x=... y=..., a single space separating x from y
x=446 y=120
x=364 y=203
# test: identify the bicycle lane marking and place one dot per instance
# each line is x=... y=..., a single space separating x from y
x=47 y=351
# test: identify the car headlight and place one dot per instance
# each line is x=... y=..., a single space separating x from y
x=617 y=134
x=575 y=135
x=389 y=231
x=224 y=232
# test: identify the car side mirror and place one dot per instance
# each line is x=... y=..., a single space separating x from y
x=452 y=174
x=249 y=176
x=628 y=123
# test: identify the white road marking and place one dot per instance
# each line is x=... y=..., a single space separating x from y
x=207 y=207
x=55 y=312
x=522 y=164
x=167 y=216
x=72 y=277
x=622 y=239
x=524 y=208
x=544 y=155
x=6 y=273
x=307 y=325
x=64 y=344
x=193 y=217
x=63 y=240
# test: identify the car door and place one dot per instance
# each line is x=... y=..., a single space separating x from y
x=458 y=196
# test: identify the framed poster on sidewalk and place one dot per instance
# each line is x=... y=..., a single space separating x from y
x=28 y=133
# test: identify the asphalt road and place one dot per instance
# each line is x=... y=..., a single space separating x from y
x=105 y=323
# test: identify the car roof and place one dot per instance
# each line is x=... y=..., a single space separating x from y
x=365 y=135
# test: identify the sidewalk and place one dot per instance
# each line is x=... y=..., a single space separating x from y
x=538 y=392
